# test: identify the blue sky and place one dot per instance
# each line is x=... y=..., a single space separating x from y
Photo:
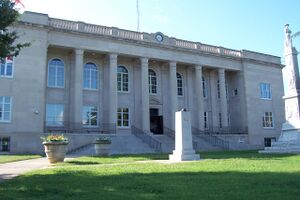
x=255 y=25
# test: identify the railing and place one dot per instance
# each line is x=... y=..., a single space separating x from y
x=70 y=127
x=169 y=132
x=148 y=139
x=234 y=130
x=116 y=32
x=213 y=140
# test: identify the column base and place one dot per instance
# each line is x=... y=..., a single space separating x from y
x=184 y=155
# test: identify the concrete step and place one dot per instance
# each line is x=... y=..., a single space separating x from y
x=167 y=143
x=202 y=145
x=122 y=143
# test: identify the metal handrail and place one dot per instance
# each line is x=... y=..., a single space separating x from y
x=208 y=137
x=148 y=139
x=71 y=127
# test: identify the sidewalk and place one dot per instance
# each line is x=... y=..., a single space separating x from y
x=13 y=169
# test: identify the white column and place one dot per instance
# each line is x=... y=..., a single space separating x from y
x=199 y=96
x=77 y=88
x=145 y=95
x=112 y=94
x=223 y=99
x=173 y=92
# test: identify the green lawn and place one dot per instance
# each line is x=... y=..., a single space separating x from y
x=220 y=175
x=13 y=158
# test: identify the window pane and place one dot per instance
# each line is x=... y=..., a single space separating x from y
x=2 y=70
x=51 y=76
x=9 y=69
x=6 y=116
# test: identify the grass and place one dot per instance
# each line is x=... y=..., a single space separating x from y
x=13 y=158
x=220 y=175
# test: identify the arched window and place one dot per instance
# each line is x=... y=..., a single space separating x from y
x=179 y=85
x=152 y=81
x=90 y=76
x=122 y=79
x=56 y=73
x=204 y=88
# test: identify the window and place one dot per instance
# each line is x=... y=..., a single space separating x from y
x=205 y=120
x=54 y=114
x=123 y=117
x=179 y=85
x=5 y=109
x=220 y=120
x=235 y=92
x=204 y=87
x=6 y=67
x=267 y=120
x=4 y=144
x=90 y=116
x=269 y=141
x=56 y=73
x=152 y=82
x=265 y=91
x=122 y=79
x=90 y=76
x=218 y=88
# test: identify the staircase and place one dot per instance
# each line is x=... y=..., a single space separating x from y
x=122 y=143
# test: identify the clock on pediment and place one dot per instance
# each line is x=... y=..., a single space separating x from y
x=159 y=37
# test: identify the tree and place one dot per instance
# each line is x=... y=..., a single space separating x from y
x=8 y=16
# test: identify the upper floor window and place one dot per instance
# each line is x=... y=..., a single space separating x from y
x=90 y=76
x=267 y=120
x=265 y=91
x=204 y=87
x=122 y=79
x=5 y=109
x=90 y=116
x=6 y=67
x=152 y=81
x=56 y=73
x=179 y=85
x=54 y=114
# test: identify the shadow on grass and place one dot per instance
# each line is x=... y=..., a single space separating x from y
x=164 y=186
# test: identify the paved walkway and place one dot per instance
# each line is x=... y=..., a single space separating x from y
x=13 y=169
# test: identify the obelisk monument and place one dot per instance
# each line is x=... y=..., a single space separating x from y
x=289 y=140
x=183 y=138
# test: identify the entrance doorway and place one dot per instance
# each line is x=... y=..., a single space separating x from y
x=156 y=121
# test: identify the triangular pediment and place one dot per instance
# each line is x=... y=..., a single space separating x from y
x=154 y=101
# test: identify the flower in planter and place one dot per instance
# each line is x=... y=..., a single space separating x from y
x=55 y=138
x=103 y=140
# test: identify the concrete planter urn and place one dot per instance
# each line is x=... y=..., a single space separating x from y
x=102 y=146
x=55 y=149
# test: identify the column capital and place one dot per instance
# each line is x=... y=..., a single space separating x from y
x=221 y=70
x=172 y=64
x=198 y=67
x=113 y=55
x=79 y=51
x=144 y=60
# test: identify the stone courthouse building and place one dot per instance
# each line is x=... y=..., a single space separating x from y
x=86 y=79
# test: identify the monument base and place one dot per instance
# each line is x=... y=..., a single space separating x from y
x=185 y=155
x=289 y=140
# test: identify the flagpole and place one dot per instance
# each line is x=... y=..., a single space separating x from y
x=138 y=15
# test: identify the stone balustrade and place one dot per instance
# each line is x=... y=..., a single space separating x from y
x=126 y=34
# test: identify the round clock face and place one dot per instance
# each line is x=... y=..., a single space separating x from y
x=159 y=37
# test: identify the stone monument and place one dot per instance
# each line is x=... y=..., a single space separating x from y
x=183 y=138
x=289 y=140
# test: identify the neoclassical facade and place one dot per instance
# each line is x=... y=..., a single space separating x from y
x=76 y=77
